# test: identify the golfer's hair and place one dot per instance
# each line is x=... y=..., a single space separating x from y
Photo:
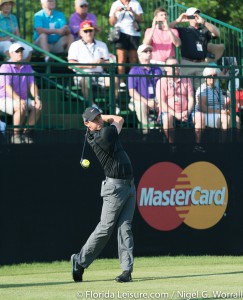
x=158 y=10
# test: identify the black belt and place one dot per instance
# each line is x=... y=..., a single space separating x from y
x=194 y=60
x=117 y=180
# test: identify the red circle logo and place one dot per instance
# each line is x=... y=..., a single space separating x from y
x=168 y=195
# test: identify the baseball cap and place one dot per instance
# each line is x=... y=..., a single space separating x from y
x=91 y=113
x=81 y=2
x=86 y=25
x=14 y=47
x=6 y=1
x=209 y=71
x=192 y=10
x=143 y=47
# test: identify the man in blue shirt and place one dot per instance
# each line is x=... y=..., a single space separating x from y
x=50 y=30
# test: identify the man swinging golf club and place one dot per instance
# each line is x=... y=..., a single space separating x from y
x=118 y=192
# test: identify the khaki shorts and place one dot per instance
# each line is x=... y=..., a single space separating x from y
x=98 y=80
x=7 y=105
x=57 y=47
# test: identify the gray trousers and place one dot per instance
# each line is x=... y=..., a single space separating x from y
x=119 y=200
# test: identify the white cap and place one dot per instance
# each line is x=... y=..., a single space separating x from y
x=14 y=47
x=80 y=2
x=209 y=71
x=143 y=47
x=191 y=11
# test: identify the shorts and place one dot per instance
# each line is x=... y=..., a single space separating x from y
x=7 y=105
x=211 y=120
x=127 y=42
x=57 y=47
x=178 y=123
x=97 y=80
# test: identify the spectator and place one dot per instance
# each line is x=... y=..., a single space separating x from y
x=14 y=90
x=8 y=22
x=81 y=14
x=89 y=51
x=126 y=14
x=50 y=30
x=175 y=97
x=212 y=103
x=161 y=37
x=194 y=41
x=142 y=89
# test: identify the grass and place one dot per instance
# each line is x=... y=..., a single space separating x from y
x=181 y=277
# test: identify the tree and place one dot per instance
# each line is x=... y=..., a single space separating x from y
x=226 y=11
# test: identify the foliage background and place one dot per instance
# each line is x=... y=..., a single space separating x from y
x=230 y=12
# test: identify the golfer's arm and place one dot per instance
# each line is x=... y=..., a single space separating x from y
x=114 y=120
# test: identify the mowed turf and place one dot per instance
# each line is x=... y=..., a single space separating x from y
x=202 y=277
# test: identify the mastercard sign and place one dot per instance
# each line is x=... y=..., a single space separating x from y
x=168 y=196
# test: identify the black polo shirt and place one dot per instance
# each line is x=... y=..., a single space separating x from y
x=110 y=153
x=194 y=42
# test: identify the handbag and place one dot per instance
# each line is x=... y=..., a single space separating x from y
x=114 y=34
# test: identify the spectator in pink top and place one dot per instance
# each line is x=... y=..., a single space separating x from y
x=161 y=37
x=175 y=97
x=81 y=14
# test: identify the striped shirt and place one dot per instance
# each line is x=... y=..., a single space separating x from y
x=214 y=96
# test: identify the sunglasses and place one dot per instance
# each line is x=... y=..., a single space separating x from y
x=88 y=30
x=19 y=51
x=147 y=51
x=84 y=5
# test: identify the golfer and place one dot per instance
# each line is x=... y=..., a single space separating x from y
x=118 y=192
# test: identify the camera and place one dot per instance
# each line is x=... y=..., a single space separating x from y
x=159 y=23
x=190 y=17
x=124 y=8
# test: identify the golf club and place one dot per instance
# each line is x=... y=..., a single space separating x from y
x=85 y=139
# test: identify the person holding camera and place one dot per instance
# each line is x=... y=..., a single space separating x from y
x=194 y=41
x=161 y=37
x=127 y=15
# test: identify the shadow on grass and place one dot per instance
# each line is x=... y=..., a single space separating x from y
x=5 y=286
x=187 y=276
x=17 y=285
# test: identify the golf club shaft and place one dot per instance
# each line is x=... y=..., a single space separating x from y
x=85 y=139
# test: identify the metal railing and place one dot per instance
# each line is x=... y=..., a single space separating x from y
x=64 y=102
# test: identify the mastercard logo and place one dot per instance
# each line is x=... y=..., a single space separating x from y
x=168 y=196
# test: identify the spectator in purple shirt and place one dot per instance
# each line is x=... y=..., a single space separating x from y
x=142 y=89
x=14 y=91
x=81 y=14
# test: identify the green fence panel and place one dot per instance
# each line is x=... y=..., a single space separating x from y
x=64 y=102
